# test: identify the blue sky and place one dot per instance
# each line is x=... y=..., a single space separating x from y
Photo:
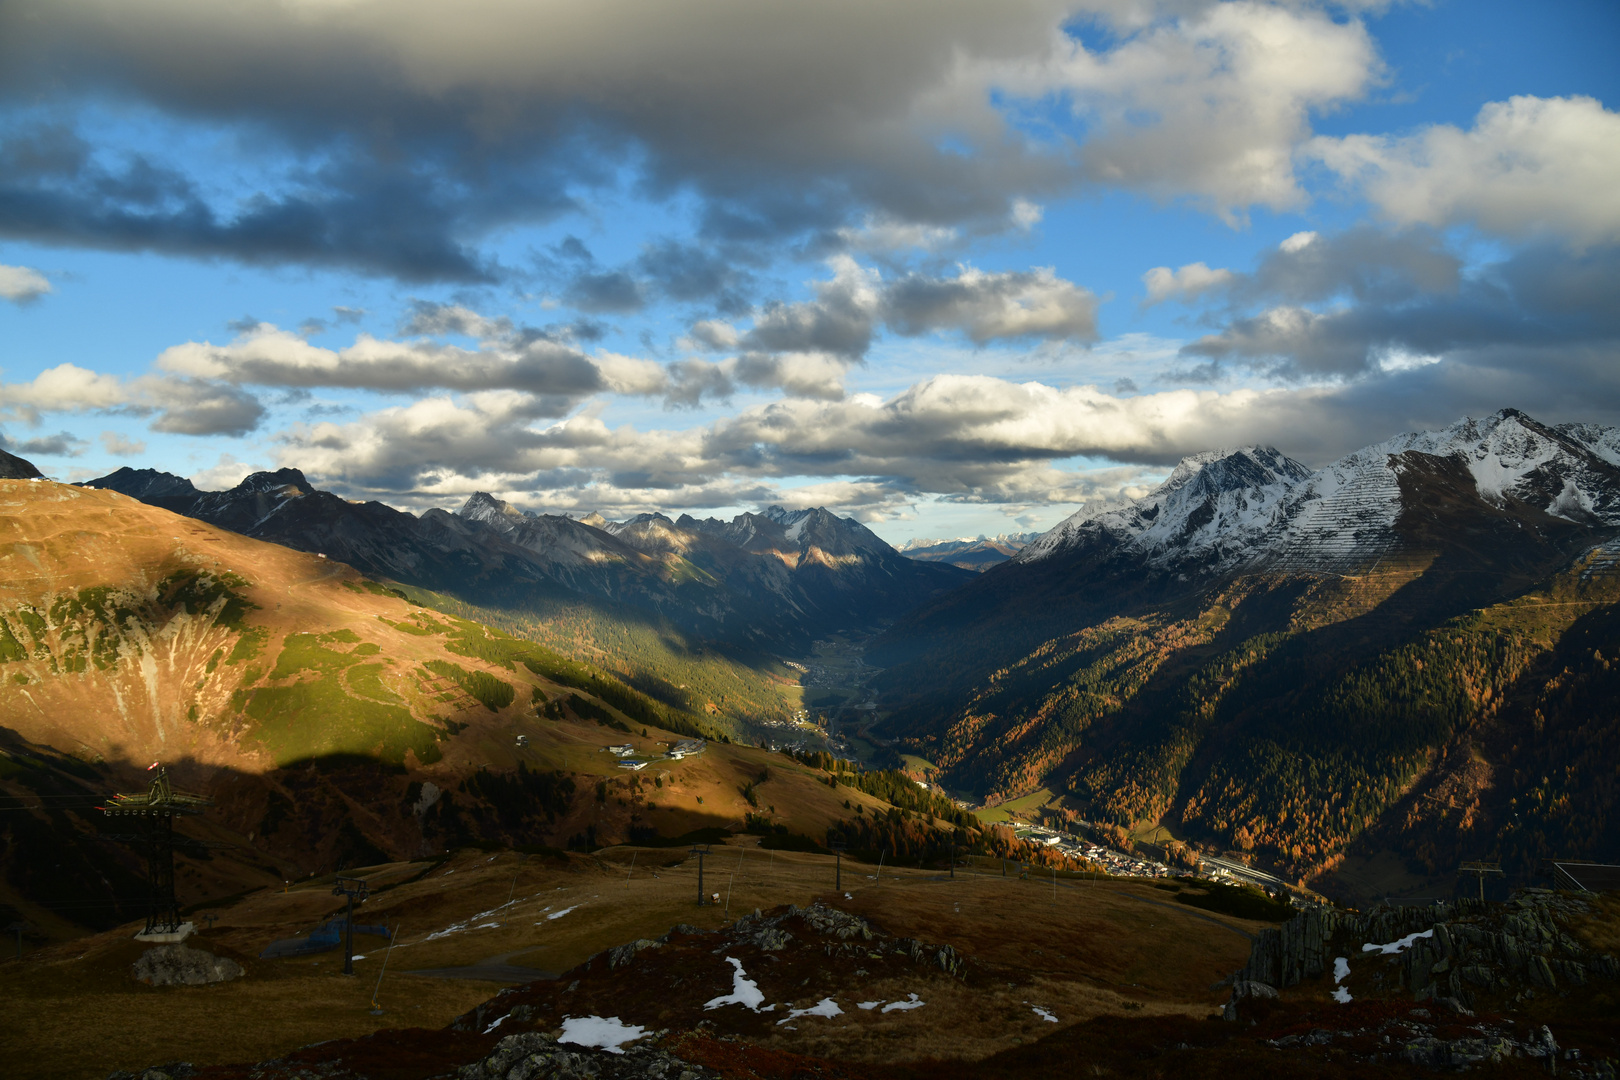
x=950 y=268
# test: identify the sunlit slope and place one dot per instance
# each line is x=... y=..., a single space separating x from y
x=331 y=720
x=129 y=633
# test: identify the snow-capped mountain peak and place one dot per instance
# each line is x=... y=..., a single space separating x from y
x=1254 y=507
x=482 y=506
x=1215 y=506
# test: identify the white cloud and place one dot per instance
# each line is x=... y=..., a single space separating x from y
x=994 y=306
x=884 y=235
x=1297 y=243
x=64 y=388
x=712 y=334
x=268 y=355
x=19 y=284
x=1188 y=283
x=1025 y=215
x=1529 y=165
x=966 y=438
x=122 y=446
x=224 y=474
x=184 y=406
x=1211 y=104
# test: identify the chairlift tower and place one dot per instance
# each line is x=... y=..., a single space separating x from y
x=351 y=889
x=157 y=808
x=700 y=850
x=1480 y=869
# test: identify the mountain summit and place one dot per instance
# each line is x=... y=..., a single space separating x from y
x=1253 y=508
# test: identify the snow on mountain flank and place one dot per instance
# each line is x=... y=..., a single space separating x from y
x=1254 y=507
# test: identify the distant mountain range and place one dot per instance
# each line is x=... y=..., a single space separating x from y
x=775 y=579
x=978 y=553
x=1304 y=663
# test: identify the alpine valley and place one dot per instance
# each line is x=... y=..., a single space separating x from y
x=699 y=613
x=1407 y=653
x=1353 y=678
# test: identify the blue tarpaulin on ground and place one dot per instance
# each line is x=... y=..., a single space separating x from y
x=320 y=939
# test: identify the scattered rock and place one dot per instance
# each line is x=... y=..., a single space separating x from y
x=620 y=955
x=174 y=1070
x=180 y=965
x=537 y=1056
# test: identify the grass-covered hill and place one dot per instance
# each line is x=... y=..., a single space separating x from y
x=1452 y=700
x=698 y=614
x=333 y=720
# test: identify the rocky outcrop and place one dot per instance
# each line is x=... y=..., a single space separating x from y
x=179 y=965
x=1455 y=951
x=535 y=1055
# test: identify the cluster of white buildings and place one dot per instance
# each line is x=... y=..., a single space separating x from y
x=1117 y=863
x=627 y=759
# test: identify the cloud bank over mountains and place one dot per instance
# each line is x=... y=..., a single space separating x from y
x=688 y=255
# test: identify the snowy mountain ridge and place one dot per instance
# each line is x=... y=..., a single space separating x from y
x=1254 y=508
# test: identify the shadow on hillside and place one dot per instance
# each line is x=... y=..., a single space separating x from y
x=66 y=864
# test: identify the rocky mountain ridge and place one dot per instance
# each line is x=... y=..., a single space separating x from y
x=1253 y=508
x=771 y=578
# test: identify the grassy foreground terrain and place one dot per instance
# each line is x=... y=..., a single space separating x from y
x=1105 y=948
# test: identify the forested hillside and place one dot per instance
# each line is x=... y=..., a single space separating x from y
x=1449 y=698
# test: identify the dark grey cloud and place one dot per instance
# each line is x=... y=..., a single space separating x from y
x=62 y=444
x=1366 y=264
x=851 y=306
x=693 y=380
x=199 y=407
x=688 y=273
x=400 y=136
x=612 y=291
x=355 y=214
x=1417 y=308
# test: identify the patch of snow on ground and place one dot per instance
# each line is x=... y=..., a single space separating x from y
x=496 y=1024
x=1044 y=1015
x=868 y=1004
x=744 y=991
x=894 y=1006
x=825 y=1007
x=603 y=1032
x=1341 y=972
x=560 y=914
x=1394 y=947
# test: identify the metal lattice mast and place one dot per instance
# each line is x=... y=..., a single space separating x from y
x=156 y=808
